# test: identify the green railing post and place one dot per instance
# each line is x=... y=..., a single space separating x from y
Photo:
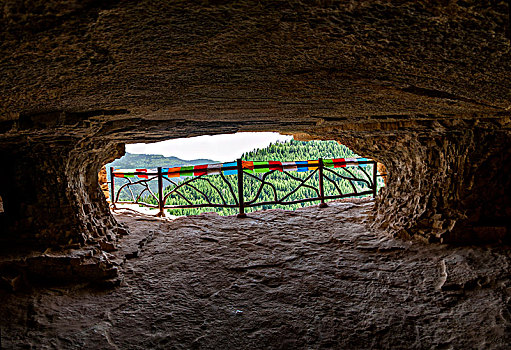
x=241 y=200
x=321 y=189
x=160 y=193
x=112 y=188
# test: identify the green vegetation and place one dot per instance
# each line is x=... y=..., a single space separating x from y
x=300 y=150
x=283 y=184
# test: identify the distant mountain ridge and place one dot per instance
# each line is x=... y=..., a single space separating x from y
x=149 y=161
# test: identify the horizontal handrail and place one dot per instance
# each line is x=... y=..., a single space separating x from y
x=143 y=176
x=230 y=168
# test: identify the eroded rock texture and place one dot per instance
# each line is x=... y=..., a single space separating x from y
x=422 y=86
x=265 y=282
x=451 y=186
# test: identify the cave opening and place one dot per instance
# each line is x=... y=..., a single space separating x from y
x=422 y=86
x=190 y=176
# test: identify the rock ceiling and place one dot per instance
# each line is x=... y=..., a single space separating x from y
x=421 y=64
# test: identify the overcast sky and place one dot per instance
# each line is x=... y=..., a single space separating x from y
x=220 y=148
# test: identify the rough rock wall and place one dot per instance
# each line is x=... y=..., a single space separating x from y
x=103 y=182
x=452 y=188
x=421 y=86
x=449 y=186
x=51 y=194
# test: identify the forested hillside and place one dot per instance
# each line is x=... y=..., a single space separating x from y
x=282 y=184
x=300 y=150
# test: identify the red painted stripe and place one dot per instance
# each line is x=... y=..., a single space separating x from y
x=200 y=170
x=142 y=171
x=339 y=163
x=273 y=165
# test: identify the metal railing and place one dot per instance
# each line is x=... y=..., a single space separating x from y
x=361 y=183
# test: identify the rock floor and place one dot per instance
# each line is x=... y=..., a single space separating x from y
x=308 y=279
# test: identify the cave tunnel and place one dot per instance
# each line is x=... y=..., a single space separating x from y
x=422 y=87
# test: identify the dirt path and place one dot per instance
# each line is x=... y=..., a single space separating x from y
x=309 y=279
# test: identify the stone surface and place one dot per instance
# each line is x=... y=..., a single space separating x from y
x=51 y=195
x=20 y=270
x=103 y=182
x=313 y=278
